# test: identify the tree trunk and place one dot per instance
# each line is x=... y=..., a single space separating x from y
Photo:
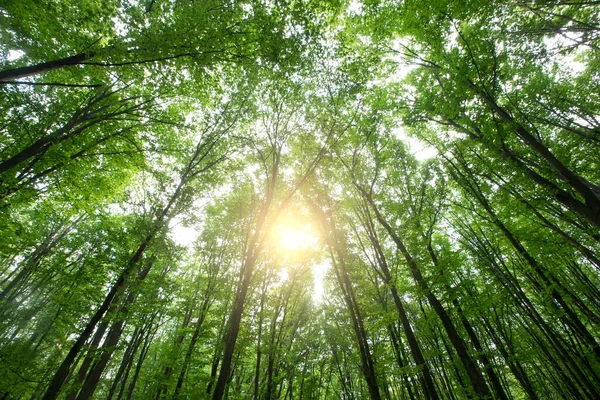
x=118 y=287
x=336 y=255
x=32 y=70
x=126 y=362
x=483 y=358
x=234 y=327
x=93 y=377
x=573 y=320
x=89 y=359
x=477 y=382
x=138 y=367
x=258 y=341
x=54 y=237
x=425 y=377
x=399 y=353
x=565 y=361
x=190 y=350
x=588 y=191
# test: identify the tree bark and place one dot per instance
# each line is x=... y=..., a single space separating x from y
x=337 y=257
x=477 y=382
x=32 y=70
x=192 y=345
x=415 y=349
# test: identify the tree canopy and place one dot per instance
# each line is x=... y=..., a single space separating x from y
x=255 y=199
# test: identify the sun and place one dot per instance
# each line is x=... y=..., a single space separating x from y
x=295 y=236
x=292 y=239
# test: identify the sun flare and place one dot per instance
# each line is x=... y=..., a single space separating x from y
x=295 y=237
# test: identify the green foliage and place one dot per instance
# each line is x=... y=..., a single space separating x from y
x=441 y=156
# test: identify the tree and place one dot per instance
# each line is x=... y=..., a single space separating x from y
x=299 y=200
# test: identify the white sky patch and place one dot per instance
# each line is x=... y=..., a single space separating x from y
x=355 y=8
x=223 y=190
x=115 y=209
x=417 y=148
x=452 y=42
x=13 y=55
x=283 y=276
x=337 y=189
x=288 y=172
x=120 y=27
x=251 y=170
x=400 y=73
x=397 y=55
x=566 y=39
x=182 y=235
x=248 y=9
x=319 y=272
x=573 y=66
x=567 y=61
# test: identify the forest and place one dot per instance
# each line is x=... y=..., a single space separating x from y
x=299 y=199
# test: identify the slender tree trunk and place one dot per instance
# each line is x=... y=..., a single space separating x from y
x=113 y=337
x=565 y=361
x=89 y=359
x=564 y=197
x=483 y=358
x=216 y=359
x=25 y=181
x=123 y=371
x=138 y=367
x=572 y=318
x=337 y=258
x=190 y=350
x=32 y=70
x=51 y=241
x=587 y=190
x=246 y=273
x=163 y=391
x=118 y=287
x=93 y=377
x=487 y=365
x=568 y=238
x=258 y=341
x=63 y=371
x=399 y=353
x=425 y=377
x=92 y=113
x=513 y=363
x=234 y=327
x=477 y=382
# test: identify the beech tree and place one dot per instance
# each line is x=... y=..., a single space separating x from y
x=299 y=200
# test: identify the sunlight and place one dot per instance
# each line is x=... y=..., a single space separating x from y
x=297 y=242
x=319 y=272
x=182 y=235
x=293 y=238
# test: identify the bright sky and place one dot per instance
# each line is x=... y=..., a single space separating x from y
x=319 y=272
x=417 y=147
x=181 y=235
x=294 y=237
x=291 y=237
x=14 y=55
